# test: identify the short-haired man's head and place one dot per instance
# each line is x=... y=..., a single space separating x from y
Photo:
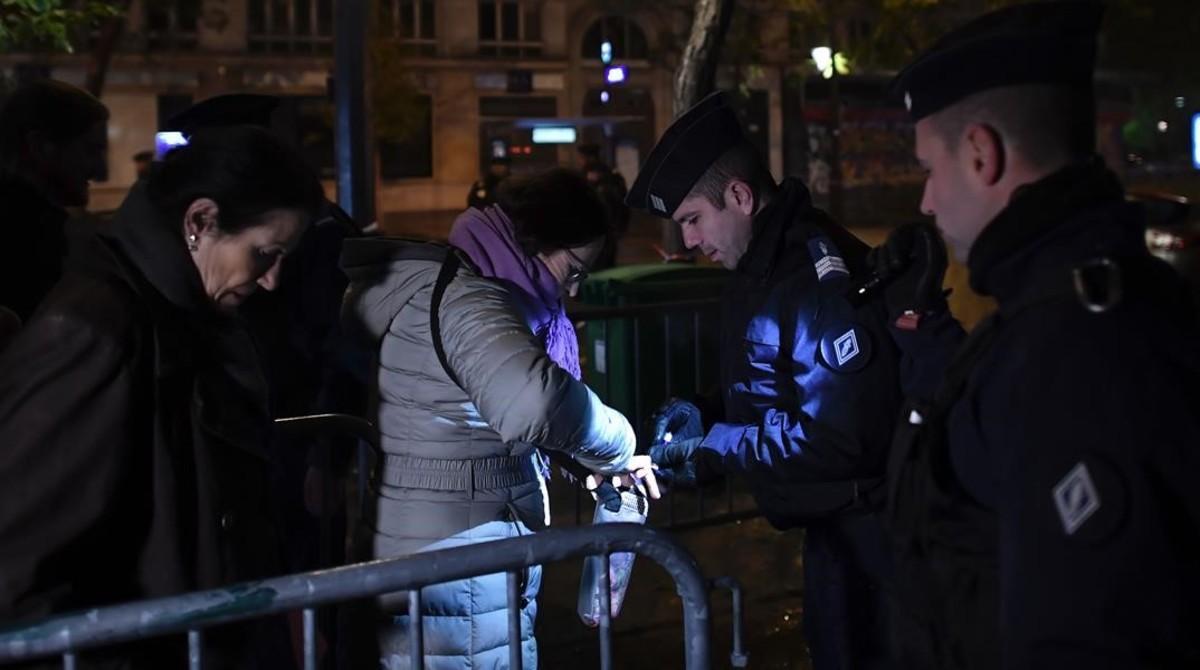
x=57 y=111
x=53 y=136
x=741 y=163
x=1046 y=125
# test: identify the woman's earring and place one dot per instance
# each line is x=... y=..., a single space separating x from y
x=193 y=245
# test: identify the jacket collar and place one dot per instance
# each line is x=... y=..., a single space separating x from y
x=770 y=229
x=1070 y=216
x=785 y=226
x=159 y=252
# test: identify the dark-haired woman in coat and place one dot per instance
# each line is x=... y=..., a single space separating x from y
x=132 y=409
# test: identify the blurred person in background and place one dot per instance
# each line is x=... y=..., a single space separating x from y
x=483 y=191
x=52 y=144
x=142 y=161
x=610 y=186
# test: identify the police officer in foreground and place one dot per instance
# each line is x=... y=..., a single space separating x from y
x=1043 y=493
x=809 y=385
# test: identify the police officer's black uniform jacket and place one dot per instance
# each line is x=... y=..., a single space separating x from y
x=809 y=385
x=1046 y=508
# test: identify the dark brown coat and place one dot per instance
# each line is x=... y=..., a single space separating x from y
x=132 y=434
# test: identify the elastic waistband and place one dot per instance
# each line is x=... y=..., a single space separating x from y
x=466 y=474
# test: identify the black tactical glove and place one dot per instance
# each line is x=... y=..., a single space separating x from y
x=679 y=419
x=912 y=262
x=675 y=452
x=683 y=463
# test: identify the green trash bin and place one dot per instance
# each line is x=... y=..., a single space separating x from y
x=634 y=362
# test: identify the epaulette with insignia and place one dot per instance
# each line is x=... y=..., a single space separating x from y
x=826 y=261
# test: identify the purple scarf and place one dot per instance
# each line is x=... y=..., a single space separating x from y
x=488 y=237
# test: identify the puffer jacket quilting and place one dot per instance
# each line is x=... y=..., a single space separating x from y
x=511 y=397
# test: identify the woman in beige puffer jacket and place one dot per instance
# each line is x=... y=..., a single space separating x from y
x=460 y=465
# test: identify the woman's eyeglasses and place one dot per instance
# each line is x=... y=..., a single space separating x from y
x=577 y=273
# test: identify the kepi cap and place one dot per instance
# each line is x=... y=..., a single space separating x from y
x=1037 y=43
x=683 y=154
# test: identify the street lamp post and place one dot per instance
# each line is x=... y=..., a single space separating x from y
x=352 y=128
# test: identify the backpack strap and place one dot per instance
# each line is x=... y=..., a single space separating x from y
x=450 y=265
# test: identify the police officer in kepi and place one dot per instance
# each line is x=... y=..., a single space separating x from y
x=809 y=385
x=1043 y=490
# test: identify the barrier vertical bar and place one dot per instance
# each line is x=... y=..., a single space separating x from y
x=69 y=661
x=310 y=639
x=605 y=615
x=195 y=649
x=666 y=354
x=637 y=372
x=416 y=631
x=738 y=658
x=514 y=619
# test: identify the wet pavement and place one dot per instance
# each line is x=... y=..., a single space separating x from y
x=649 y=631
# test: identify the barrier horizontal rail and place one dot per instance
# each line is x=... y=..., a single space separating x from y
x=315 y=425
x=192 y=612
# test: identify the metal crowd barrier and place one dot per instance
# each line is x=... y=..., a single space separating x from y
x=325 y=425
x=193 y=613
x=680 y=510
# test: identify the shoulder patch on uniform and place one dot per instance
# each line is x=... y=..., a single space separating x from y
x=845 y=347
x=1076 y=498
x=826 y=261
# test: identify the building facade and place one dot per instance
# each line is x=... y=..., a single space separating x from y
x=480 y=75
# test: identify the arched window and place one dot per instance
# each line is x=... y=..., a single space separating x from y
x=627 y=39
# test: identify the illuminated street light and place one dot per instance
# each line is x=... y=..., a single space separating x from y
x=606 y=52
x=823 y=58
x=1196 y=140
x=826 y=62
